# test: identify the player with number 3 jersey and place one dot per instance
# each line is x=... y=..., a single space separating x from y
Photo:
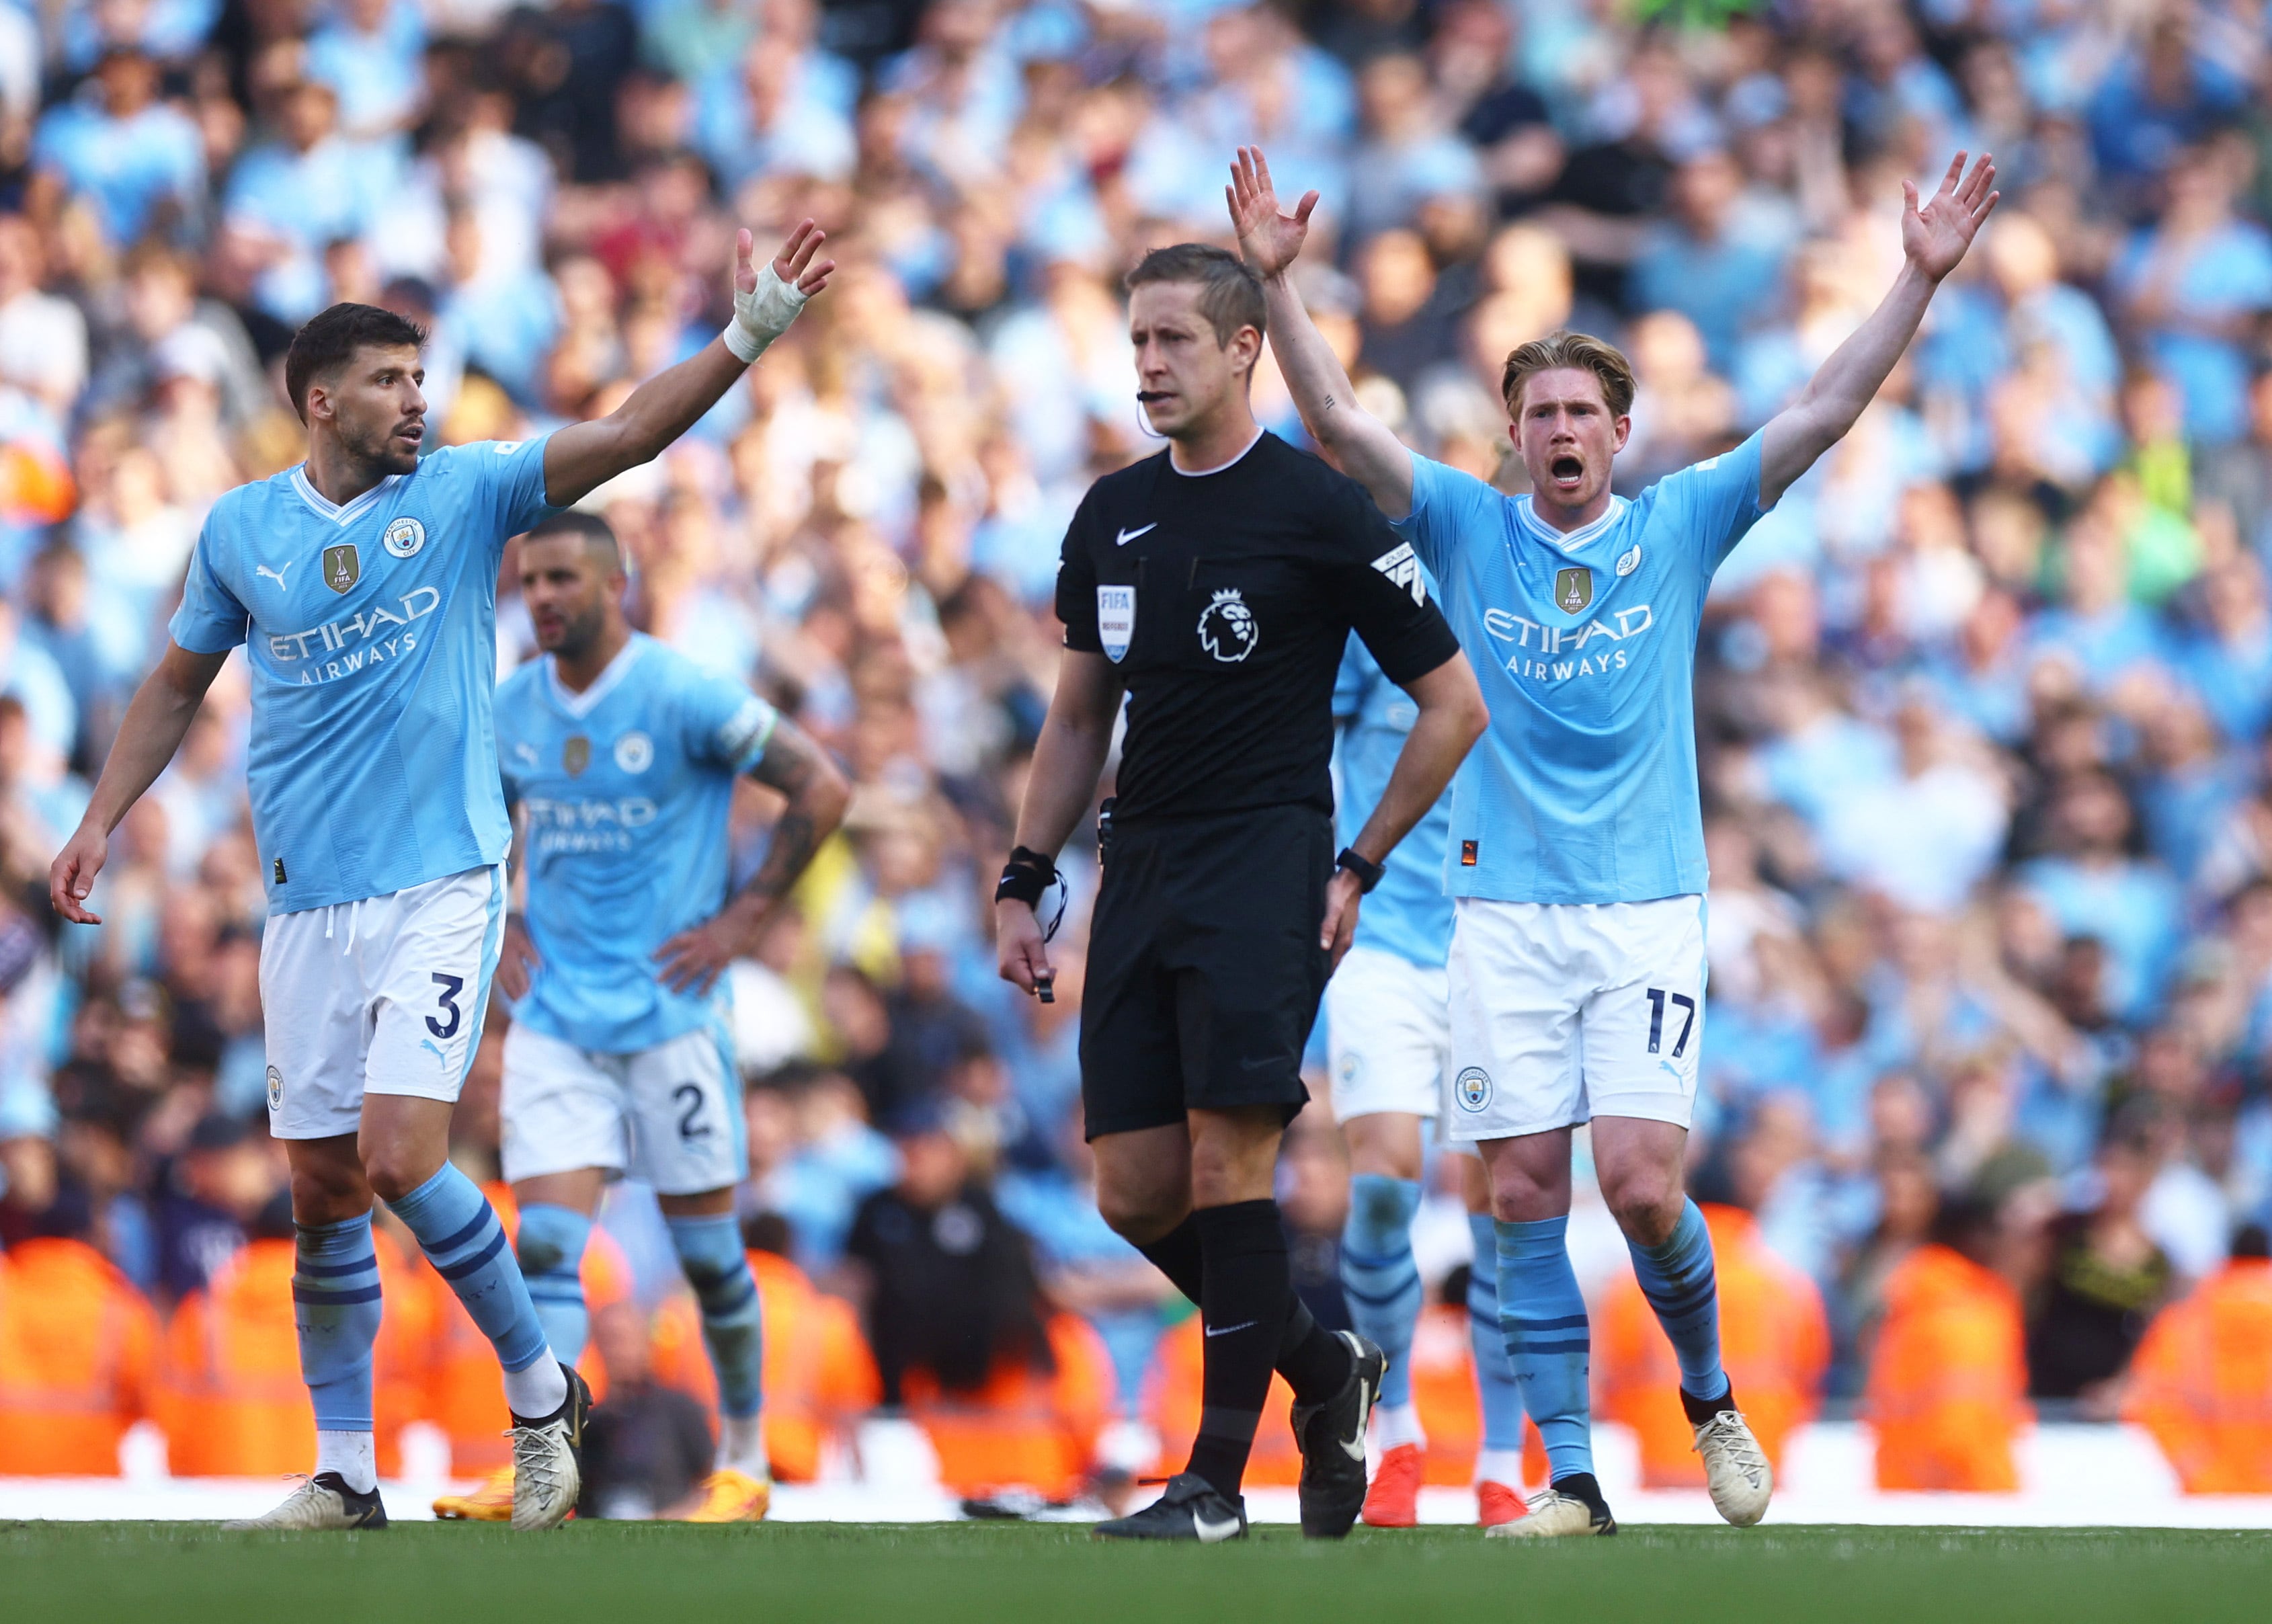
x=362 y=585
x=1576 y=858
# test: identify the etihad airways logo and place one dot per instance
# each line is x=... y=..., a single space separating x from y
x=371 y=637
x=562 y=828
x=1556 y=654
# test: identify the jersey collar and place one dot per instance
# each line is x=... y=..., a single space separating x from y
x=1220 y=467
x=326 y=508
x=579 y=706
x=1571 y=541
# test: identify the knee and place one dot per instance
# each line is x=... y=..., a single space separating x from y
x=1141 y=1215
x=325 y=1192
x=1647 y=1203
x=394 y=1171
x=1518 y=1197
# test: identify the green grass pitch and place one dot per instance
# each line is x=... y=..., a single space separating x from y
x=628 y=1573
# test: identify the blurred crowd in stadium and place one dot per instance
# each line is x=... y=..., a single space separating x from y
x=1983 y=702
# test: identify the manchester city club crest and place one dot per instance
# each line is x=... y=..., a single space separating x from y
x=1472 y=1088
x=1573 y=589
x=275 y=1090
x=576 y=754
x=1228 y=629
x=1115 y=620
x=634 y=752
x=404 y=537
x=342 y=567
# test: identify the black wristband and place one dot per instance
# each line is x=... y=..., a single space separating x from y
x=1367 y=872
x=1024 y=877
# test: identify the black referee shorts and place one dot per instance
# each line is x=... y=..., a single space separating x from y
x=1204 y=967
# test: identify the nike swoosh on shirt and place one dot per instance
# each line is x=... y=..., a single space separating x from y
x=1126 y=536
x=1225 y=1330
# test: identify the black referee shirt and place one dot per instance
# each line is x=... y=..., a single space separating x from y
x=1226 y=600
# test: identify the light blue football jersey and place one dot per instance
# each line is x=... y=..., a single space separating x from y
x=370 y=630
x=625 y=790
x=1408 y=913
x=1583 y=787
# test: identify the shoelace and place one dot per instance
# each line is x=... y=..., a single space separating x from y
x=543 y=1469
x=1726 y=1433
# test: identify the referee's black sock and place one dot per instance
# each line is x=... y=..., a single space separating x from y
x=1313 y=1360
x=1243 y=1311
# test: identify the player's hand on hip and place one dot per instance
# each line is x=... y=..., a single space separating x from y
x=1267 y=237
x=694 y=959
x=71 y=876
x=517 y=960
x=1343 y=894
x=1020 y=955
x=1936 y=236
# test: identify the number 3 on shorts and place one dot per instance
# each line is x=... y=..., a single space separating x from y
x=1657 y=1001
x=451 y=985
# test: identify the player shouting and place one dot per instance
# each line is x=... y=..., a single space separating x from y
x=363 y=585
x=1576 y=975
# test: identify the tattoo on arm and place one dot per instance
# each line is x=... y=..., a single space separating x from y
x=794 y=765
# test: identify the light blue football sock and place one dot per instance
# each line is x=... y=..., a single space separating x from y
x=335 y=1308
x=1501 y=1397
x=1379 y=1276
x=459 y=1233
x=551 y=1248
x=1679 y=1280
x=1547 y=1339
x=733 y=1316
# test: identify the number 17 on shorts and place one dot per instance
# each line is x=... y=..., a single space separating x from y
x=1563 y=1012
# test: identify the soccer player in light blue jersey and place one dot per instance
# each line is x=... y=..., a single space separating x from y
x=1576 y=972
x=362 y=584
x=1389 y=1042
x=621 y=755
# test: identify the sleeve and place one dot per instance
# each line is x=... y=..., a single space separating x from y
x=211 y=620
x=1077 y=581
x=1718 y=500
x=1354 y=680
x=723 y=723
x=1445 y=503
x=1385 y=593
x=510 y=479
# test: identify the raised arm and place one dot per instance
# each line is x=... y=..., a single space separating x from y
x=1934 y=240
x=1360 y=443
x=1451 y=717
x=818 y=794
x=150 y=731
x=1069 y=756
x=586 y=455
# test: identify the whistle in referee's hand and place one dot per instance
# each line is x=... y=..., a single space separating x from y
x=1045 y=985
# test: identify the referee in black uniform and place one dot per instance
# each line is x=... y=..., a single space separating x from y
x=1216 y=584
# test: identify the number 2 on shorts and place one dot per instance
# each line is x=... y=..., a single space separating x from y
x=689 y=1094
x=1657 y=1020
x=451 y=985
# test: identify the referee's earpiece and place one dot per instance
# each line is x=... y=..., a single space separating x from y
x=1144 y=425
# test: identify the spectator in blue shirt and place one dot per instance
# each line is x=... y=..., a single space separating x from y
x=291 y=199
x=369 y=54
x=140 y=163
x=1696 y=263
x=2091 y=886
x=2198 y=283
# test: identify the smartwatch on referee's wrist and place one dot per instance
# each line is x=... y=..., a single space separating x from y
x=1367 y=872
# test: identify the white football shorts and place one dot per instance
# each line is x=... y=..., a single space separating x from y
x=1388 y=1035
x=1564 y=1011
x=381 y=996
x=670 y=1115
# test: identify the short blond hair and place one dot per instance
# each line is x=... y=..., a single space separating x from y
x=1579 y=350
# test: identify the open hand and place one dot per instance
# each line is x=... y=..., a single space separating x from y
x=693 y=960
x=72 y=874
x=1344 y=894
x=1269 y=238
x=1936 y=236
x=794 y=265
x=517 y=960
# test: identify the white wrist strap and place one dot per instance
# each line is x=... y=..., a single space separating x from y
x=762 y=314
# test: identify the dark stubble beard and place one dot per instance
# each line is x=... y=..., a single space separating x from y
x=579 y=634
x=378 y=451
